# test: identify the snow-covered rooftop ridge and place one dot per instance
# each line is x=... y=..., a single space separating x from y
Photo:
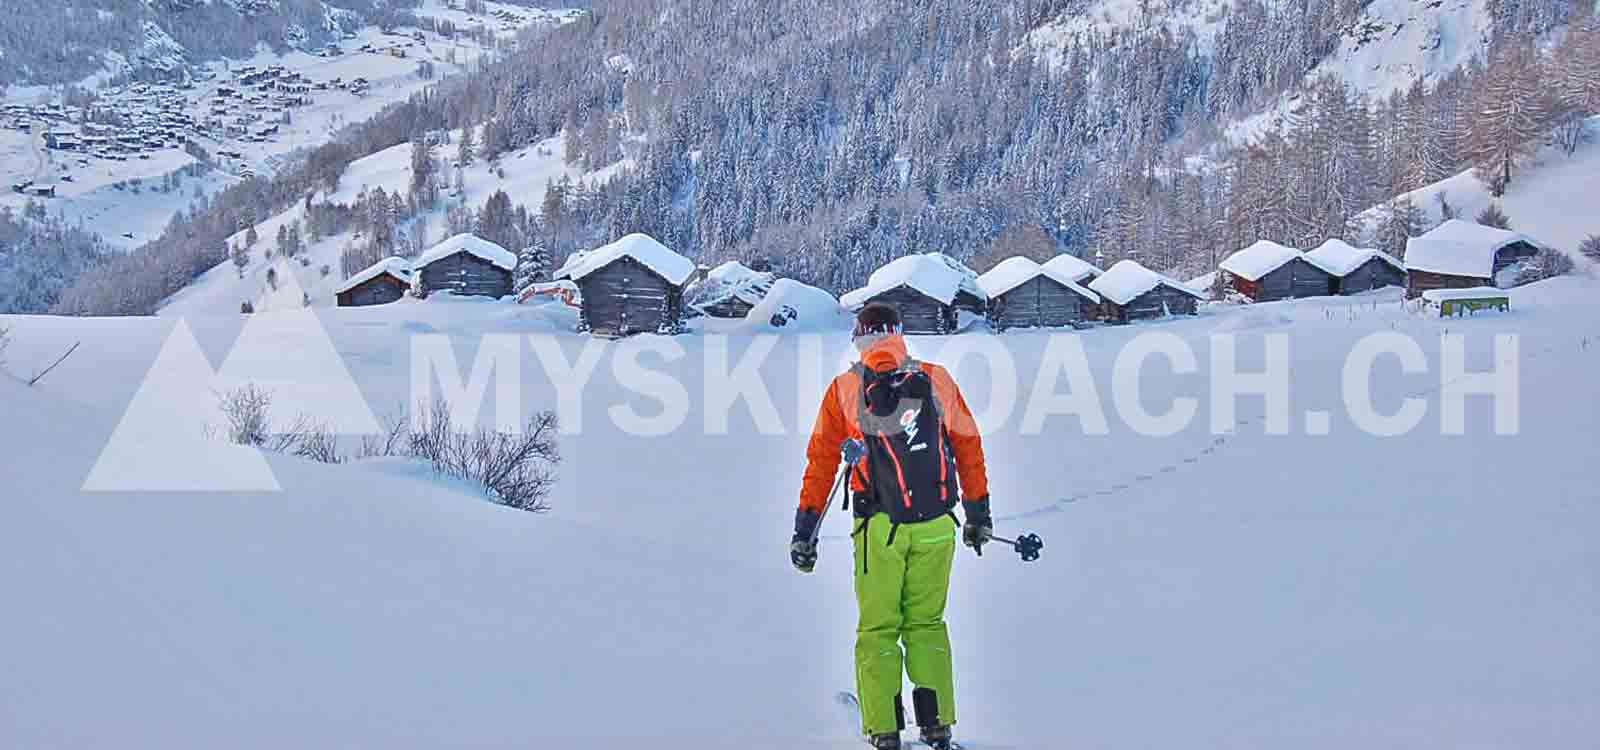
x=735 y=279
x=1015 y=271
x=1126 y=280
x=469 y=243
x=1460 y=248
x=934 y=274
x=643 y=248
x=393 y=265
x=1072 y=267
x=1259 y=259
x=1340 y=258
x=1477 y=292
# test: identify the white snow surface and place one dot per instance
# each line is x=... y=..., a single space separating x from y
x=1477 y=292
x=1340 y=258
x=934 y=274
x=1259 y=259
x=1128 y=279
x=1015 y=271
x=1442 y=592
x=472 y=244
x=655 y=256
x=398 y=267
x=1460 y=248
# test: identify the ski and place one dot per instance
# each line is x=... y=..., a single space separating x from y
x=847 y=701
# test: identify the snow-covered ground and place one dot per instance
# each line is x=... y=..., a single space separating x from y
x=528 y=172
x=1203 y=589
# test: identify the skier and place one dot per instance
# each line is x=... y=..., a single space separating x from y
x=920 y=456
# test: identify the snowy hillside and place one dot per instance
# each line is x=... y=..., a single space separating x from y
x=1424 y=587
x=527 y=173
x=1552 y=198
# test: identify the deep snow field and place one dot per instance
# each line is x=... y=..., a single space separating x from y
x=1197 y=590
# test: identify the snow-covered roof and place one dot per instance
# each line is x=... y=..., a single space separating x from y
x=736 y=280
x=1126 y=280
x=1340 y=258
x=1460 y=248
x=469 y=243
x=1013 y=272
x=934 y=274
x=643 y=248
x=1477 y=292
x=395 y=266
x=1072 y=267
x=1259 y=259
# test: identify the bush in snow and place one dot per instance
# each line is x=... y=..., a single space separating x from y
x=1494 y=216
x=1548 y=263
x=515 y=469
x=245 y=409
x=5 y=340
x=245 y=308
x=1590 y=247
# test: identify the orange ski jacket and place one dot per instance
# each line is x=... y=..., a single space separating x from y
x=838 y=420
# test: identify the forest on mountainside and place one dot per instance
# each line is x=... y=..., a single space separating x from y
x=829 y=136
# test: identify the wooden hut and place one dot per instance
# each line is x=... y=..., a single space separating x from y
x=1024 y=294
x=928 y=290
x=633 y=285
x=1133 y=292
x=379 y=284
x=1267 y=271
x=1358 y=269
x=1460 y=254
x=467 y=265
x=730 y=290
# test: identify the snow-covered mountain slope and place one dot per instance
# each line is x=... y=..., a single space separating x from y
x=1551 y=198
x=1419 y=586
x=527 y=174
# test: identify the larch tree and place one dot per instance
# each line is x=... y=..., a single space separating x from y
x=1507 y=115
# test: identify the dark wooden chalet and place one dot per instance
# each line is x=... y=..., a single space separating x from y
x=730 y=290
x=1460 y=254
x=386 y=281
x=1357 y=270
x=1133 y=292
x=928 y=289
x=1023 y=294
x=633 y=285
x=466 y=265
x=1267 y=271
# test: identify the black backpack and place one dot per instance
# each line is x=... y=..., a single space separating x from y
x=911 y=471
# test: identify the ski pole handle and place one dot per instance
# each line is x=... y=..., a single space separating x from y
x=1027 y=545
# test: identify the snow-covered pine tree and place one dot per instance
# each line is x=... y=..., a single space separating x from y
x=533 y=267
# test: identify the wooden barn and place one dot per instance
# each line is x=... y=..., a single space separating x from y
x=1133 y=292
x=466 y=265
x=379 y=284
x=928 y=289
x=1267 y=271
x=1460 y=254
x=633 y=285
x=1024 y=294
x=1356 y=269
x=730 y=290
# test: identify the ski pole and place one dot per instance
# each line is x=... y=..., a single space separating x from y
x=1027 y=545
x=851 y=452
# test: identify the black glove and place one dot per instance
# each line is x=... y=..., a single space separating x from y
x=802 y=550
x=979 y=526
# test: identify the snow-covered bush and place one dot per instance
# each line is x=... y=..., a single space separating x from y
x=1493 y=215
x=5 y=340
x=245 y=409
x=516 y=469
x=1590 y=247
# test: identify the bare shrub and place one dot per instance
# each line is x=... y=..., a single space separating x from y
x=515 y=469
x=245 y=409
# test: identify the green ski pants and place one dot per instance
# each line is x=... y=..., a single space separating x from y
x=901 y=591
